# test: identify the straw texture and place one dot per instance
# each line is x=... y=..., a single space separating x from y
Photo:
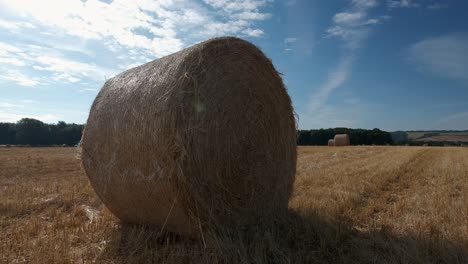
x=202 y=138
x=341 y=140
x=331 y=142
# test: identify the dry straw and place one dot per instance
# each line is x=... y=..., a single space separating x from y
x=341 y=140
x=331 y=142
x=201 y=138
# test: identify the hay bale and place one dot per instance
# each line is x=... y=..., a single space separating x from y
x=331 y=142
x=342 y=140
x=200 y=138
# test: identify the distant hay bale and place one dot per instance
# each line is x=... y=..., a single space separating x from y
x=331 y=142
x=342 y=140
x=203 y=137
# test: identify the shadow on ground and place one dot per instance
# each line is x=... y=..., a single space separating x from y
x=292 y=238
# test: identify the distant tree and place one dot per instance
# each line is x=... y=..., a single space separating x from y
x=303 y=137
x=65 y=134
x=7 y=133
x=34 y=132
x=31 y=131
x=357 y=136
x=72 y=134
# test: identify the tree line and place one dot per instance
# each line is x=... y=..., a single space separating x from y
x=33 y=132
x=320 y=137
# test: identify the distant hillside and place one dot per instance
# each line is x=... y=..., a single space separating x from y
x=446 y=136
x=440 y=136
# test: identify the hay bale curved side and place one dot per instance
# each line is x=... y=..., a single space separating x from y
x=203 y=136
x=341 y=140
x=331 y=142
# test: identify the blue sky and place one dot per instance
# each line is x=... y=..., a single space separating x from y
x=395 y=65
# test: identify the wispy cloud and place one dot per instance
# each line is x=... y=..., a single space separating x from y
x=393 y=4
x=14 y=25
x=402 y=3
x=352 y=27
x=353 y=24
x=69 y=70
x=12 y=110
x=45 y=59
x=12 y=61
x=18 y=78
x=446 y=56
x=289 y=43
x=335 y=79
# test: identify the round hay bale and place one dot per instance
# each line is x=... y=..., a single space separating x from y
x=331 y=142
x=341 y=140
x=204 y=137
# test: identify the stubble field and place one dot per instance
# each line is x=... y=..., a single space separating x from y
x=350 y=205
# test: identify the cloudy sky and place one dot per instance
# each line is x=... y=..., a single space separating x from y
x=396 y=64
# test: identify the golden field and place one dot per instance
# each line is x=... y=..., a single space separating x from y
x=350 y=205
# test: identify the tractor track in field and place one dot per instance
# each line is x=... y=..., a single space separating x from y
x=377 y=201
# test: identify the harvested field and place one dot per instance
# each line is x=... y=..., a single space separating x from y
x=349 y=205
x=445 y=138
x=456 y=136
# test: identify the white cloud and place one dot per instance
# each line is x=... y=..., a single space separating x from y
x=68 y=69
x=9 y=55
x=121 y=20
x=12 y=61
x=15 y=25
x=349 y=18
x=252 y=16
x=233 y=6
x=7 y=48
x=134 y=31
x=402 y=3
x=446 y=56
x=365 y=3
x=43 y=59
x=18 y=78
x=353 y=25
x=253 y=32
